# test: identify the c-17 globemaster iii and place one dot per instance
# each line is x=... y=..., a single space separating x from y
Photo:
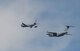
x=55 y=34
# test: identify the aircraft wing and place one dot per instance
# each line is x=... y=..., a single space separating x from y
x=24 y=25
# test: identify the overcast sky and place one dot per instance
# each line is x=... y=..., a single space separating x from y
x=51 y=15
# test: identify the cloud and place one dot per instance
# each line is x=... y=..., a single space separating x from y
x=15 y=38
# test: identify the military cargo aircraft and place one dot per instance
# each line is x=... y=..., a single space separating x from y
x=30 y=25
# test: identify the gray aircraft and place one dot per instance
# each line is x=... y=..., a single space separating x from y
x=55 y=34
x=30 y=25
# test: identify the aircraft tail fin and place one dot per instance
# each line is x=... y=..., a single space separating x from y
x=67 y=27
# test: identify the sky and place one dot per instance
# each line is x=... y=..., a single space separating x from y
x=51 y=15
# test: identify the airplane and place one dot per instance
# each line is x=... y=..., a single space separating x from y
x=30 y=25
x=55 y=34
